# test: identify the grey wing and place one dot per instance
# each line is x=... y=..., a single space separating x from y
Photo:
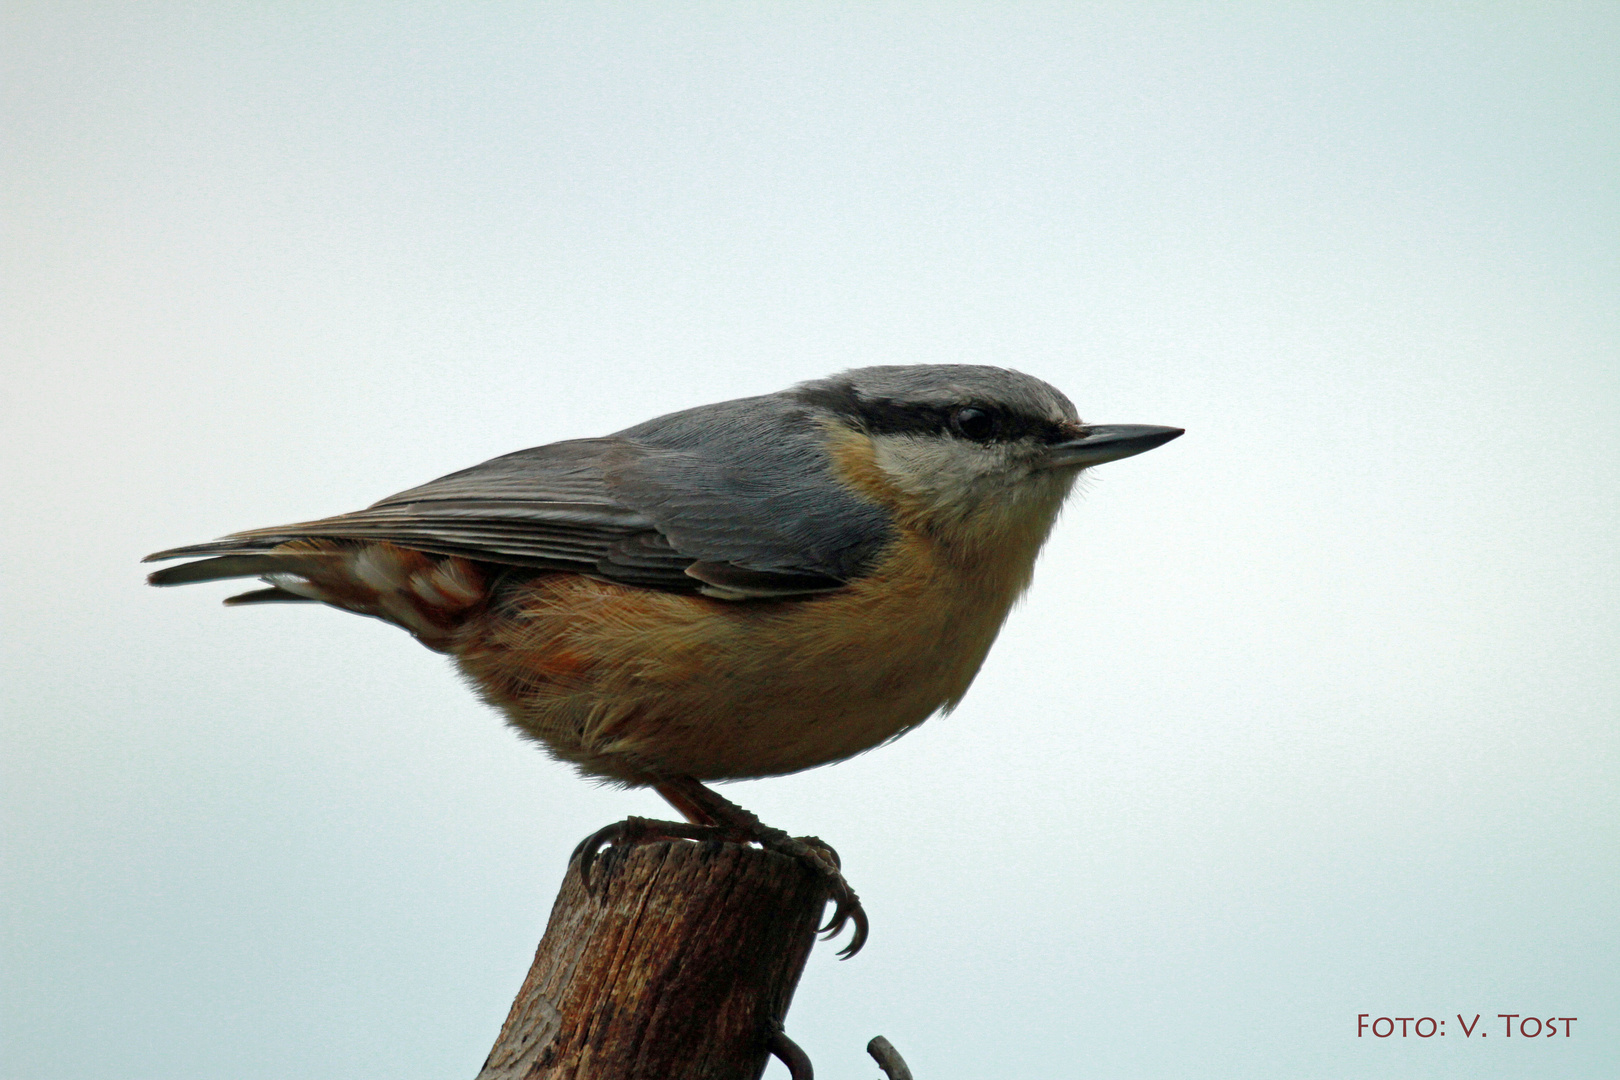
x=638 y=511
x=546 y=508
x=748 y=488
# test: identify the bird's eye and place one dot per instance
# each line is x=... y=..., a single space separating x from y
x=973 y=423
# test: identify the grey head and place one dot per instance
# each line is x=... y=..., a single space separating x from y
x=928 y=398
x=967 y=439
x=988 y=406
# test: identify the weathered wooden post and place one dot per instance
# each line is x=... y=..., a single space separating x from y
x=678 y=962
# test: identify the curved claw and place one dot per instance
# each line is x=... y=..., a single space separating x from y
x=592 y=845
x=789 y=1053
x=847 y=908
x=633 y=830
x=837 y=920
x=824 y=860
x=862 y=928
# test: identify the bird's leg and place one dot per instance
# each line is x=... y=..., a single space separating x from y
x=705 y=807
x=699 y=825
x=701 y=806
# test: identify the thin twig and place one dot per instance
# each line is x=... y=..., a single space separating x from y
x=788 y=1053
x=888 y=1059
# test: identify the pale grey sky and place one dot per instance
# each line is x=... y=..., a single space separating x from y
x=1310 y=713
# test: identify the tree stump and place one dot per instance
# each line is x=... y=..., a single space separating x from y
x=678 y=963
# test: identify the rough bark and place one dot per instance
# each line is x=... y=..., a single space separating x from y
x=678 y=963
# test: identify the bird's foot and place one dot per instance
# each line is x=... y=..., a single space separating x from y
x=745 y=829
x=700 y=803
x=819 y=856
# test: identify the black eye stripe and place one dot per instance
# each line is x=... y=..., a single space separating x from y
x=890 y=417
x=977 y=422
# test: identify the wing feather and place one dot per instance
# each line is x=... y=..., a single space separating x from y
x=636 y=510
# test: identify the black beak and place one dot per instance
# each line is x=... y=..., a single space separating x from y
x=1098 y=443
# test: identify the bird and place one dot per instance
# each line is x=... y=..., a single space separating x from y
x=743 y=589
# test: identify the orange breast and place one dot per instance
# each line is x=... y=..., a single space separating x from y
x=631 y=684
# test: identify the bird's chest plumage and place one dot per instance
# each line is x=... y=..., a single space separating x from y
x=632 y=684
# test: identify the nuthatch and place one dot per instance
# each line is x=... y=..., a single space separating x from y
x=742 y=589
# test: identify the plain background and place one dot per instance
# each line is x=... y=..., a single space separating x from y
x=1309 y=714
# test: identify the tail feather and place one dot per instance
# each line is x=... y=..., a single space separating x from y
x=219 y=569
x=427 y=594
x=268 y=596
x=231 y=545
